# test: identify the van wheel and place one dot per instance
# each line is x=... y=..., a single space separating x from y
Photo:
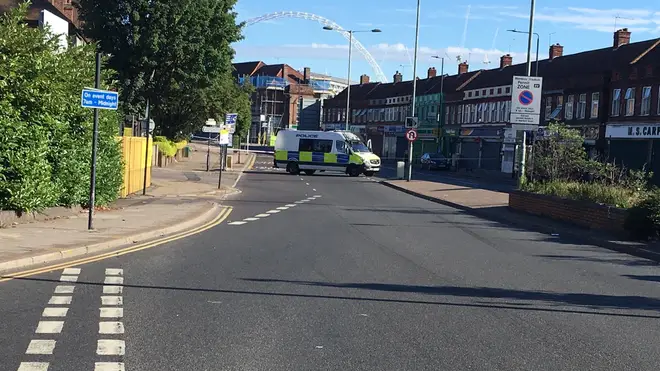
x=369 y=173
x=309 y=172
x=353 y=171
x=292 y=168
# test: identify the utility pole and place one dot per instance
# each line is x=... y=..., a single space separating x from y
x=414 y=95
x=523 y=159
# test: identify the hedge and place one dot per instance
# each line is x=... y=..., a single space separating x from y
x=45 y=136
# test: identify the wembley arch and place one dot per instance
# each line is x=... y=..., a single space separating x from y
x=380 y=76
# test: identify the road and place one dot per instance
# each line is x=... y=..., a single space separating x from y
x=342 y=274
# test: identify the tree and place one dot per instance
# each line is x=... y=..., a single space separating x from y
x=559 y=155
x=177 y=53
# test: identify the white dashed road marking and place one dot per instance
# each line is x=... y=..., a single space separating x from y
x=33 y=366
x=64 y=289
x=54 y=312
x=111 y=300
x=114 y=272
x=111 y=328
x=109 y=366
x=114 y=281
x=71 y=271
x=111 y=312
x=262 y=215
x=273 y=211
x=283 y=208
x=60 y=300
x=290 y=205
x=49 y=327
x=237 y=223
x=41 y=347
x=109 y=347
x=251 y=219
x=113 y=290
x=69 y=278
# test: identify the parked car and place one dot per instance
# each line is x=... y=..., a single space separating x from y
x=435 y=161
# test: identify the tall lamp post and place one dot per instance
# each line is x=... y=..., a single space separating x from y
x=414 y=92
x=350 y=52
x=536 y=72
x=442 y=89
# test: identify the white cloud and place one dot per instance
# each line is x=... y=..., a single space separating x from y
x=601 y=20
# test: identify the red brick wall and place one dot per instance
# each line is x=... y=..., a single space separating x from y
x=584 y=214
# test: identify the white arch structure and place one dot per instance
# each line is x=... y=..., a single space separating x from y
x=326 y=22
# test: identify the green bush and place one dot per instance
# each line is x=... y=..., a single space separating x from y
x=643 y=220
x=165 y=146
x=583 y=191
x=45 y=136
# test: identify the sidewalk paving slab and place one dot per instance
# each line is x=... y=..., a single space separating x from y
x=494 y=206
x=175 y=203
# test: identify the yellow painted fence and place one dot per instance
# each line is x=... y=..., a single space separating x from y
x=133 y=153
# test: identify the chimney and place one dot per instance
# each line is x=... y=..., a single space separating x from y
x=307 y=73
x=398 y=77
x=506 y=60
x=463 y=68
x=556 y=51
x=432 y=72
x=364 y=79
x=621 y=37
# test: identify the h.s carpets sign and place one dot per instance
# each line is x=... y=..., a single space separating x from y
x=639 y=131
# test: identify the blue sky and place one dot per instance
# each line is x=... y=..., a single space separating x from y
x=303 y=43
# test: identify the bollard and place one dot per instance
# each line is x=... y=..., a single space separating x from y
x=400 y=169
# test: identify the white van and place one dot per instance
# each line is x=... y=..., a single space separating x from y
x=309 y=151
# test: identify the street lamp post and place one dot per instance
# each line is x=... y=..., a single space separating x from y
x=350 y=52
x=536 y=69
x=414 y=92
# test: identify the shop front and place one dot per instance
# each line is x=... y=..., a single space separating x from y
x=635 y=146
x=481 y=148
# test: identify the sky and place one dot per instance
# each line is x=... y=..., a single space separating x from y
x=444 y=32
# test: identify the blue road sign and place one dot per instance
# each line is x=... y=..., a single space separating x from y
x=230 y=118
x=526 y=97
x=101 y=99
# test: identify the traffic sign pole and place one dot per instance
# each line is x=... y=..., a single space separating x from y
x=95 y=130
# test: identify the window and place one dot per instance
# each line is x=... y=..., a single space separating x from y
x=487 y=115
x=507 y=104
x=499 y=90
x=466 y=113
x=630 y=101
x=508 y=90
x=473 y=113
x=483 y=92
x=469 y=94
x=370 y=115
x=459 y=116
x=595 y=101
x=481 y=109
x=548 y=108
x=616 y=102
x=582 y=106
x=569 y=107
x=493 y=112
x=476 y=93
x=646 y=101
x=492 y=91
x=341 y=146
x=315 y=145
x=502 y=114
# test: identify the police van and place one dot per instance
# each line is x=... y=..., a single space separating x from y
x=309 y=151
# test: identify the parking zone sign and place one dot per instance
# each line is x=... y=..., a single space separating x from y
x=526 y=100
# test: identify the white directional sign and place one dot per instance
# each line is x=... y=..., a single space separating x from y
x=224 y=138
x=411 y=135
x=211 y=129
x=526 y=100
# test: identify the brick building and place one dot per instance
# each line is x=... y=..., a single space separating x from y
x=60 y=15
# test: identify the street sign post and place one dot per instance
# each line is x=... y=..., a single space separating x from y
x=96 y=99
x=412 y=122
x=411 y=135
x=211 y=129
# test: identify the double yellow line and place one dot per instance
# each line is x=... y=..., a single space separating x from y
x=216 y=221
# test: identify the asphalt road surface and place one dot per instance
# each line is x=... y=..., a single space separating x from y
x=328 y=272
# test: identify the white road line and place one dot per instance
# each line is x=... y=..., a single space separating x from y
x=64 y=289
x=111 y=312
x=114 y=272
x=71 y=271
x=113 y=290
x=109 y=366
x=317 y=196
x=307 y=183
x=107 y=347
x=237 y=223
x=311 y=198
x=55 y=312
x=111 y=300
x=314 y=189
x=68 y=278
x=40 y=347
x=283 y=208
x=261 y=215
x=49 y=327
x=290 y=205
x=33 y=366
x=251 y=219
x=304 y=200
x=60 y=300
x=111 y=328
x=114 y=281
x=273 y=211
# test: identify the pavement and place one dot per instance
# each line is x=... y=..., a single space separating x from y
x=181 y=198
x=328 y=272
